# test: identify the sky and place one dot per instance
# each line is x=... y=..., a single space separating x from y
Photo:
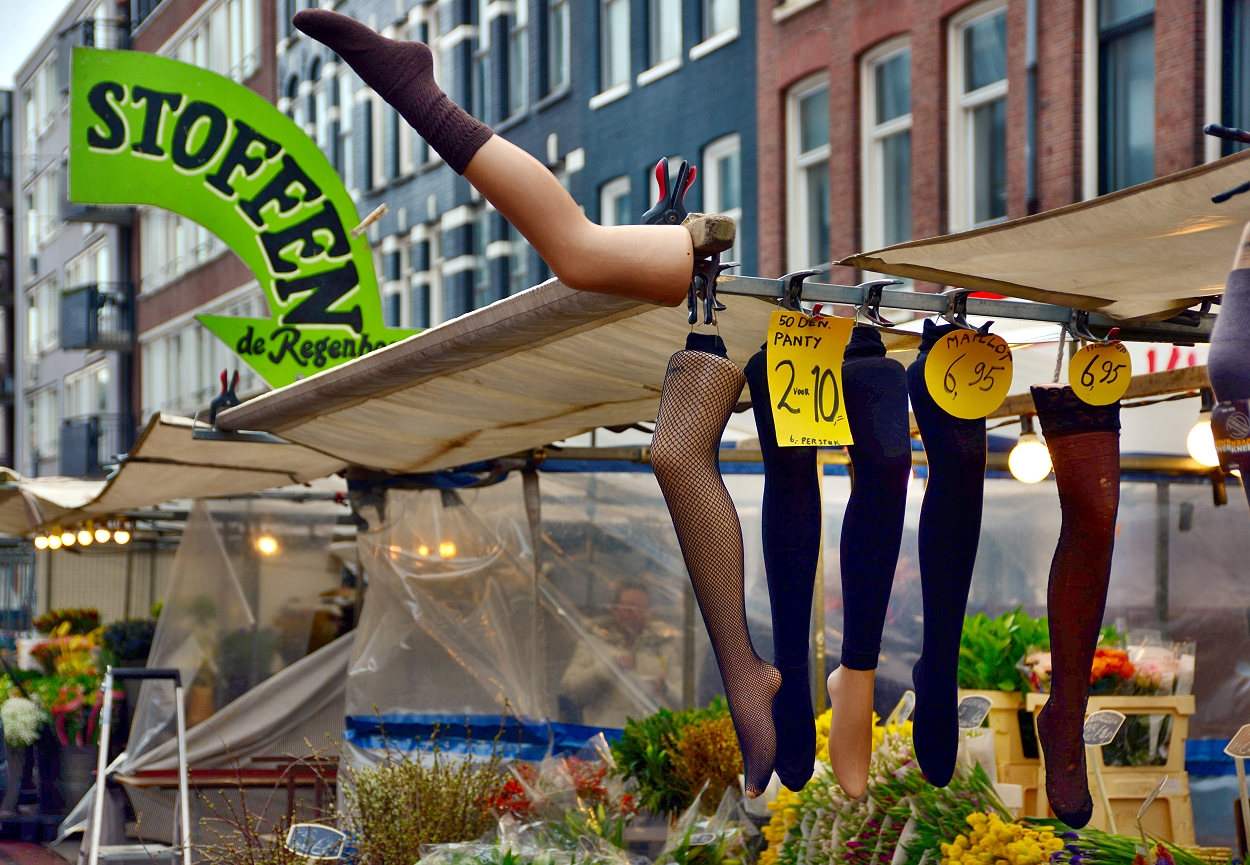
x=23 y=24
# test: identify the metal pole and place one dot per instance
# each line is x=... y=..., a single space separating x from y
x=183 y=783
x=101 y=779
x=1163 y=527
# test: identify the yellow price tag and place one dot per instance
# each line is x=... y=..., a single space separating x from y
x=968 y=373
x=805 y=379
x=1099 y=374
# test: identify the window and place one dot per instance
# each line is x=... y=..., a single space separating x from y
x=43 y=424
x=481 y=266
x=978 y=134
x=557 y=44
x=518 y=261
x=614 y=55
x=1126 y=93
x=43 y=314
x=887 y=145
x=480 y=85
x=807 y=150
x=170 y=246
x=86 y=391
x=1234 y=73
x=518 y=58
x=722 y=184
x=614 y=206
x=292 y=97
x=719 y=16
x=664 y=26
x=347 y=108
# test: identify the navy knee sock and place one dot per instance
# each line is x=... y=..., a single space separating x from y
x=791 y=530
x=1228 y=362
x=950 y=527
x=875 y=389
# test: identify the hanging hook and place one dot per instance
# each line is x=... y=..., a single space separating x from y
x=871 y=307
x=703 y=287
x=792 y=289
x=1078 y=326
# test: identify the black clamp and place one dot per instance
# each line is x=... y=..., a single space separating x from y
x=703 y=288
x=1228 y=133
x=226 y=399
x=792 y=289
x=671 y=208
x=871 y=306
x=1078 y=326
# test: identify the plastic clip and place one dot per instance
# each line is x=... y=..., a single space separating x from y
x=226 y=398
x=703 y=288
x=671 y=208
x=871 y=307
x=792 y=289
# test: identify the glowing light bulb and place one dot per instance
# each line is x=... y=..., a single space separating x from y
x=41 y=542
x=1201 y=444
x=423 y=550
x=121 y=536
x=1029 y=460
x=267 y=544
x=447 y=550
x=102 y=535
x=84 y=537
x=67 y=538
x=54 y=542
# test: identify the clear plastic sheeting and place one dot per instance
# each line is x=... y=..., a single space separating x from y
x=244 y=589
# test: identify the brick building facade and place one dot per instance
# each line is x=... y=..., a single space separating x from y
x=934 y=125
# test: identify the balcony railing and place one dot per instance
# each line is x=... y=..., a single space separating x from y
x=91 y=443
x=98 y=316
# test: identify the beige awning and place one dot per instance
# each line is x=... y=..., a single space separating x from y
x=534 y=368
x=166 y=463
x=1142 y=252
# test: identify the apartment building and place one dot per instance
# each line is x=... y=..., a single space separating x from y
x=597 y=91
x=6 y=278
x=887 y=120
x=74 y=412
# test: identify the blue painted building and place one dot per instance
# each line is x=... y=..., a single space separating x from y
x=597 y=90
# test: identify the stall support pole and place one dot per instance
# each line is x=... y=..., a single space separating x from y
x=534 y=515
x=1163 y=526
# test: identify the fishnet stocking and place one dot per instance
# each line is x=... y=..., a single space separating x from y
x=700 y=390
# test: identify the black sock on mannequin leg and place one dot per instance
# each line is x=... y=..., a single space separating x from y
x=1228 y=362
x=950 y=527
x=700 y=390
x=791 y=535
x=875 y=389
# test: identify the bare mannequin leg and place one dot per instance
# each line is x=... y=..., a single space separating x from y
x=850 y=727
x=648 y=263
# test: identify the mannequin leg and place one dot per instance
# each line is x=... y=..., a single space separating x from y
x=875 y=388
x=701 y=388
x=1084 y=444
x=791 y=530
x=950 y=527
x=1228 y=363
x=652 y=263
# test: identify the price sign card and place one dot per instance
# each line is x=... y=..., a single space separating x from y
x=968 y=373
x=1099 y=374
x=972 y=711
x=805 y=379
x=1239 y=745
x=1101 y=727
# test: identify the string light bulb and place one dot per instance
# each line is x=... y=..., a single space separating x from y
x=54 y=542
x=267 y=545
x=1029 y=460
x=101 y=534
x=67 y=538
x=1201 y=442
x=423 y=551
x=122 y=534
x=447 y=550
x=41 y=542
x=84 y=537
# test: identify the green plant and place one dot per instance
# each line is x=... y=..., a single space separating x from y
x=649 y=751
x=128 y=640
x=82 y=620
x=990 y=648
x=394 y=808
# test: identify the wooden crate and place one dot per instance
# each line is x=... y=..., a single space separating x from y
x=1013 y=766
x=1171 y=816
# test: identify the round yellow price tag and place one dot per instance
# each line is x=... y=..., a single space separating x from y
x=1099 y=374
x=969 y=373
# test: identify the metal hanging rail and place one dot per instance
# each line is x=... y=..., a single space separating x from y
x=1185 y=328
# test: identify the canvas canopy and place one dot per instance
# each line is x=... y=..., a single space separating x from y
x=166 y=463
x=1143 y=252
x=526 y=371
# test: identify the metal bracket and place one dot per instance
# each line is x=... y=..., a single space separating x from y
x=871 y=307
x=1078 y=326
x=703 y=287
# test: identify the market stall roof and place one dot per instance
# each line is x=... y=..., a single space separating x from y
x=1146 y=251
x=534 y=368
x=204 y=469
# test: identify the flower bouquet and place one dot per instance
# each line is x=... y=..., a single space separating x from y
x=727 y=837
x=567 y=799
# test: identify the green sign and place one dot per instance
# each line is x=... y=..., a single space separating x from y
x=150 y=130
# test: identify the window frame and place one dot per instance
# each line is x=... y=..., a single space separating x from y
x=606 y=85
x=960 y=169
x=609 y=194
x=872 y=134
x=559 y=11
x=713 y=200
x=797 y=162
x=656 y=34
x=706 y=23
x=518 y=49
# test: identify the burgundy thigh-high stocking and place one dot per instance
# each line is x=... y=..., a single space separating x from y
x=1084 y=444
x=402 y=73
x=701 y=388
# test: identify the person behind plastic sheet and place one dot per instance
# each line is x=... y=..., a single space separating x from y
x=626 y=642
